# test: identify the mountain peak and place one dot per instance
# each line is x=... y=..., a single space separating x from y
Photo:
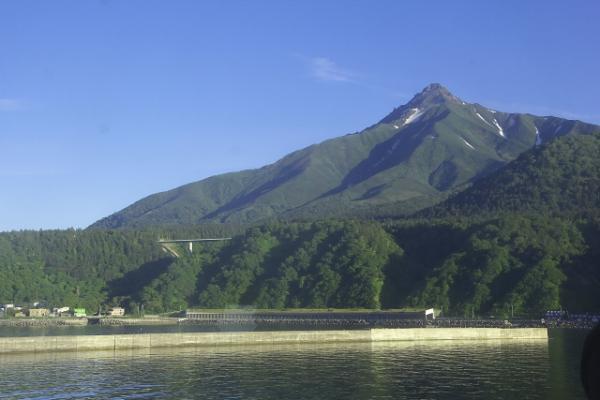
x=436 y=87
x=434 y=93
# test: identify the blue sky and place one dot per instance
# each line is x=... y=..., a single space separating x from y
x=105 y=102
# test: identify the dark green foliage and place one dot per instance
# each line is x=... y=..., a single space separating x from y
x=84 y=268
x=426 y=245
x=513 y=263
x=583 y=277
x=562 y=176
x=280 y=265
x=333 y=264
x=175 y=288
x=68 y=267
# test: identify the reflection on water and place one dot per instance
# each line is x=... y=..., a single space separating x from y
x=391 y=370
x=565 y=349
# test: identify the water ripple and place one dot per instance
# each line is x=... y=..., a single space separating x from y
x=436 y=370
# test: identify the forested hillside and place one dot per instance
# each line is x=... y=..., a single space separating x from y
x=86 y=268
x=558 y=177
x=524 y=263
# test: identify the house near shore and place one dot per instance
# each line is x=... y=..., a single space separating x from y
x=61 y=311
x=38 y=312
x=116 y=312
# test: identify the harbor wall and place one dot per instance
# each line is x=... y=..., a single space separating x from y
x=37 y=344
x=382 y=335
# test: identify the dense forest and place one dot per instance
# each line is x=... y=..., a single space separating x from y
x=514 y=263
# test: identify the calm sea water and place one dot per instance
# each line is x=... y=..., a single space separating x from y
x=400 y=370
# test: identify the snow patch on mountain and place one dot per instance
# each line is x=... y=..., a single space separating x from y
x=469 y=145
x=500 y=130
x=415 y=114
x=538 y=138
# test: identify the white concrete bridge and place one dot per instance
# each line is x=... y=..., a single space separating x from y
x=190 y=243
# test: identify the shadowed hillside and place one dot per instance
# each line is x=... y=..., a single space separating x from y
x=562 y=176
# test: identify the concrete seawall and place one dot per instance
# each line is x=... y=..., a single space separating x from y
x=382 y=335
x=37 y=344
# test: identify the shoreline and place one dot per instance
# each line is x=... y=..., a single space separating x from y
x=44 y=344
x=279 y=324
x=42 y=322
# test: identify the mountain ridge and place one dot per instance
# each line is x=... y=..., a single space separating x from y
x=418 y=153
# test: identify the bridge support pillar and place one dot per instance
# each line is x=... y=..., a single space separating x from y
x=191 y=246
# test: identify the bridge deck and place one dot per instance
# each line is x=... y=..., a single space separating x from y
x=191 y=240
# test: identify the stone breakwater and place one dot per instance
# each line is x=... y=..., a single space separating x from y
x=40 y=344
x=42 y=322
x=136 y=321
x=359 y=323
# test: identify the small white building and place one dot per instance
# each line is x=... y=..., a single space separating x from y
x=116 y=312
